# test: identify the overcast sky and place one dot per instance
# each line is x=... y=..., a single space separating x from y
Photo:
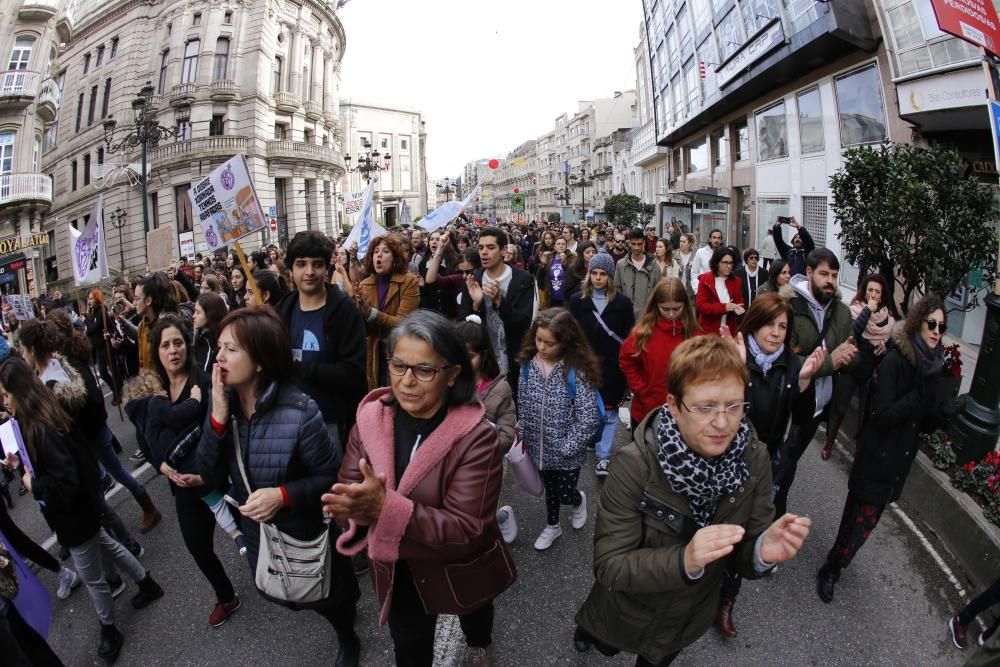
x=486 y=74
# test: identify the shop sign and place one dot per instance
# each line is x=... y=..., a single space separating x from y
x=756 y=48
x=16 y=243
x=974 y=21
x=965 y=88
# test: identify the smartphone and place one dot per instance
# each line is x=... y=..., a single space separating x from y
x=784 y=220
x=232 y=501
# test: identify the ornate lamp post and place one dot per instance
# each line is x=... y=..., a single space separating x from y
x=117 y=218
x=582 y=182
x=446 y=189
x=145 y=133
x=370 y=162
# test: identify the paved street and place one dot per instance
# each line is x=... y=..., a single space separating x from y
x=891 y=608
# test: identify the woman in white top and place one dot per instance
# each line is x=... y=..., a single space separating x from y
x=670 y=265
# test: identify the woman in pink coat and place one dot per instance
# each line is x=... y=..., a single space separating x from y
x=719 y=301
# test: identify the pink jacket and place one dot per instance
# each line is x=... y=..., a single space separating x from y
x=440 y=517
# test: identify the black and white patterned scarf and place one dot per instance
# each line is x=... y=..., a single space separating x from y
x=701 y=480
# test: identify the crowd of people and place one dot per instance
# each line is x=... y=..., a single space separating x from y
x=356 y=408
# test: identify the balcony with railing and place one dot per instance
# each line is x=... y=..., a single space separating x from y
x=47 y=104
x=297 y=151
x=182 y=92
x=18 y=87
x=314 y=110
x=16 y=189
x=64 y=26
x=225 y=90
x=644 y=148
x=287 y=102
x=203 y=147
x=37 y=10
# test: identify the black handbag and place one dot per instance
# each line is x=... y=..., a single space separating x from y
x=184 y=446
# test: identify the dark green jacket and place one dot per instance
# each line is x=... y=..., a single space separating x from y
x=641 y=602
x=805 y=333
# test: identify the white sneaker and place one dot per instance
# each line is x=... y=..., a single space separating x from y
x=68 y=580
x=508 y=526
x=579 y=516
x=549 y=535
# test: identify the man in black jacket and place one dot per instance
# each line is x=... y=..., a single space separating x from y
x=504 y=298
x=802 y=245
x=327 y=333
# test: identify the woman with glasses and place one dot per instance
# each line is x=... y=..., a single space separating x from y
x=419 y=488
x=719 y=302
x=666 y=322
x=689 y=498
x=904 y=402
x=289 y=454
x=779 y=387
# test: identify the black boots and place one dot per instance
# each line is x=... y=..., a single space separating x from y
x=724 y=618
x=111 y=643
x=826 y=581
x=149 y=591
x=349 y=651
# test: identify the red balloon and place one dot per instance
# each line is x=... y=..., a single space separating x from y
x=516 y=190
x=493 y=164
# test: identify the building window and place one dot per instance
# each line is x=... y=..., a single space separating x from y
x=720 y=147
x=21 y=53
x=810 y=121
x=185 y=215
x=72 y=175
x=227 y=18
x=693 y=87
x=79 y=112
x=154 y=210
x=279 y=131
x=86 y=63
x=189 y=71
x=86 y=169
x=93 y=106
x=196 y=19
x=163 y=71
x=216 y=128
x=107 y=98
x=771 y=138
x=757 y=14
x=100 y=156
x=277 y=75
x=170 y=29
x=100 y=56
x=859 y=106
x=114 y=49
x=36 y=151
x=221 y=59
x=404 y=144
x=768 y=210
x=920 y=45
x=697 y=155
x=7 y=152
x=183 y=130
x=729 y=34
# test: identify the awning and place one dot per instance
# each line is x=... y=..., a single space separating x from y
x=7 y=260
x=703 y=195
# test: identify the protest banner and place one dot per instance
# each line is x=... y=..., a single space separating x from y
x=354 y=204
x=20 y=305
x=226 y=204
x=88 y=250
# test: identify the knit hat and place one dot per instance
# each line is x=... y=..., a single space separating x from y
x=604 y=261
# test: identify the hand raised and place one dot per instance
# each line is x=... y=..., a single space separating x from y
x=220 y=402
x=738 y=341
x=784 y=538
x=811 y=365
x=710 y=544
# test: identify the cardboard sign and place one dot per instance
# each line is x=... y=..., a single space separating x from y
x=161 y=248
x=226 y=204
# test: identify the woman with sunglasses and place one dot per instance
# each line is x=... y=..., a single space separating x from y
x=453 y=287
x=904 y=403
x=419 y=489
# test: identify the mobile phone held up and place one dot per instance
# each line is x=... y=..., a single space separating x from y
x=784 y=220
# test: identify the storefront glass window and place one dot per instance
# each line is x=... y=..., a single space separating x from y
x=810 y=121
x=771 y=133
x=859 y=105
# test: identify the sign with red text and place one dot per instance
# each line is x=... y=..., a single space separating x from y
x=974 y=21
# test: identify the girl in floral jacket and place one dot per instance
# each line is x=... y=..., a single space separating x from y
x=558 y=411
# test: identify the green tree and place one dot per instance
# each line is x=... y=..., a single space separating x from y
x=554 y=217
x=628 y=210
x=913 y=215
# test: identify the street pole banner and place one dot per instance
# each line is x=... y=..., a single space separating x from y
x=974 y=21
x=447 y=211
x=226 y=204
x=365 y=230
x=89 y=252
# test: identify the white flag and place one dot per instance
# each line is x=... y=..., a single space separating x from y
x=448 y=211
x=88 y=250
x=365 y=229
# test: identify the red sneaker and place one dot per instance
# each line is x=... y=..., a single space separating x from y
x=221 y=612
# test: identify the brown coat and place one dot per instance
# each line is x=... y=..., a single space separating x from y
x=498 y=400
x=402 y=299
x=440 y=517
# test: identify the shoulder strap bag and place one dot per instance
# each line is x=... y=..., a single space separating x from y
x=289 y=569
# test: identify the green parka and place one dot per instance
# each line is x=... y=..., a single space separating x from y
x=641 y=602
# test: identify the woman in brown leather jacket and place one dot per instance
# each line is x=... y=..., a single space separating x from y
x=419 y=488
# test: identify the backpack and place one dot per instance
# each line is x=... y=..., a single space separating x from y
x=602 y=413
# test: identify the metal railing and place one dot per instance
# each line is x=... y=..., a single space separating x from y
x=18 y=83
x=25 y=187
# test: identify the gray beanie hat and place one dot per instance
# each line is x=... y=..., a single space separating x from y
x=603 y=260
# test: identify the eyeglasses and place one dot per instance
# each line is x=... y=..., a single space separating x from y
x=467 y=273
x=934 y=324
x=422 y=372
x=752 y=258
x=727 y=262
x=706 y=413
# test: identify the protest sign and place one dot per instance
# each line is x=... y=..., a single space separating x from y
x=20 y=305
x=88 y=251
x=226 y=204
x=161 y=249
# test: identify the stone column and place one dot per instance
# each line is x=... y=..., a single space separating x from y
x=328 y=82
x=295 y=204
x=295 y=65
x=318 y=74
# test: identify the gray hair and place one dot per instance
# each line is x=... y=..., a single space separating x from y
x=437 y=331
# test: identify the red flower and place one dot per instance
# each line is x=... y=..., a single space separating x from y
x=992 y=459
x=970 y=466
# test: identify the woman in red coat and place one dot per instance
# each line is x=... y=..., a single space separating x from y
x=719 y=301
x=666 y=322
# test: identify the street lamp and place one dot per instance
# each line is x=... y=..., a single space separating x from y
x=117 y=218
x=145 y=133
x=369 y=162
x=446 y=189
x=582 y=182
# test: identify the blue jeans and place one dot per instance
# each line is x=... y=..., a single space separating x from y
x=607 y=436
x=109 y=459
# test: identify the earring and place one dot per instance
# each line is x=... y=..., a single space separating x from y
x=258 y=369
